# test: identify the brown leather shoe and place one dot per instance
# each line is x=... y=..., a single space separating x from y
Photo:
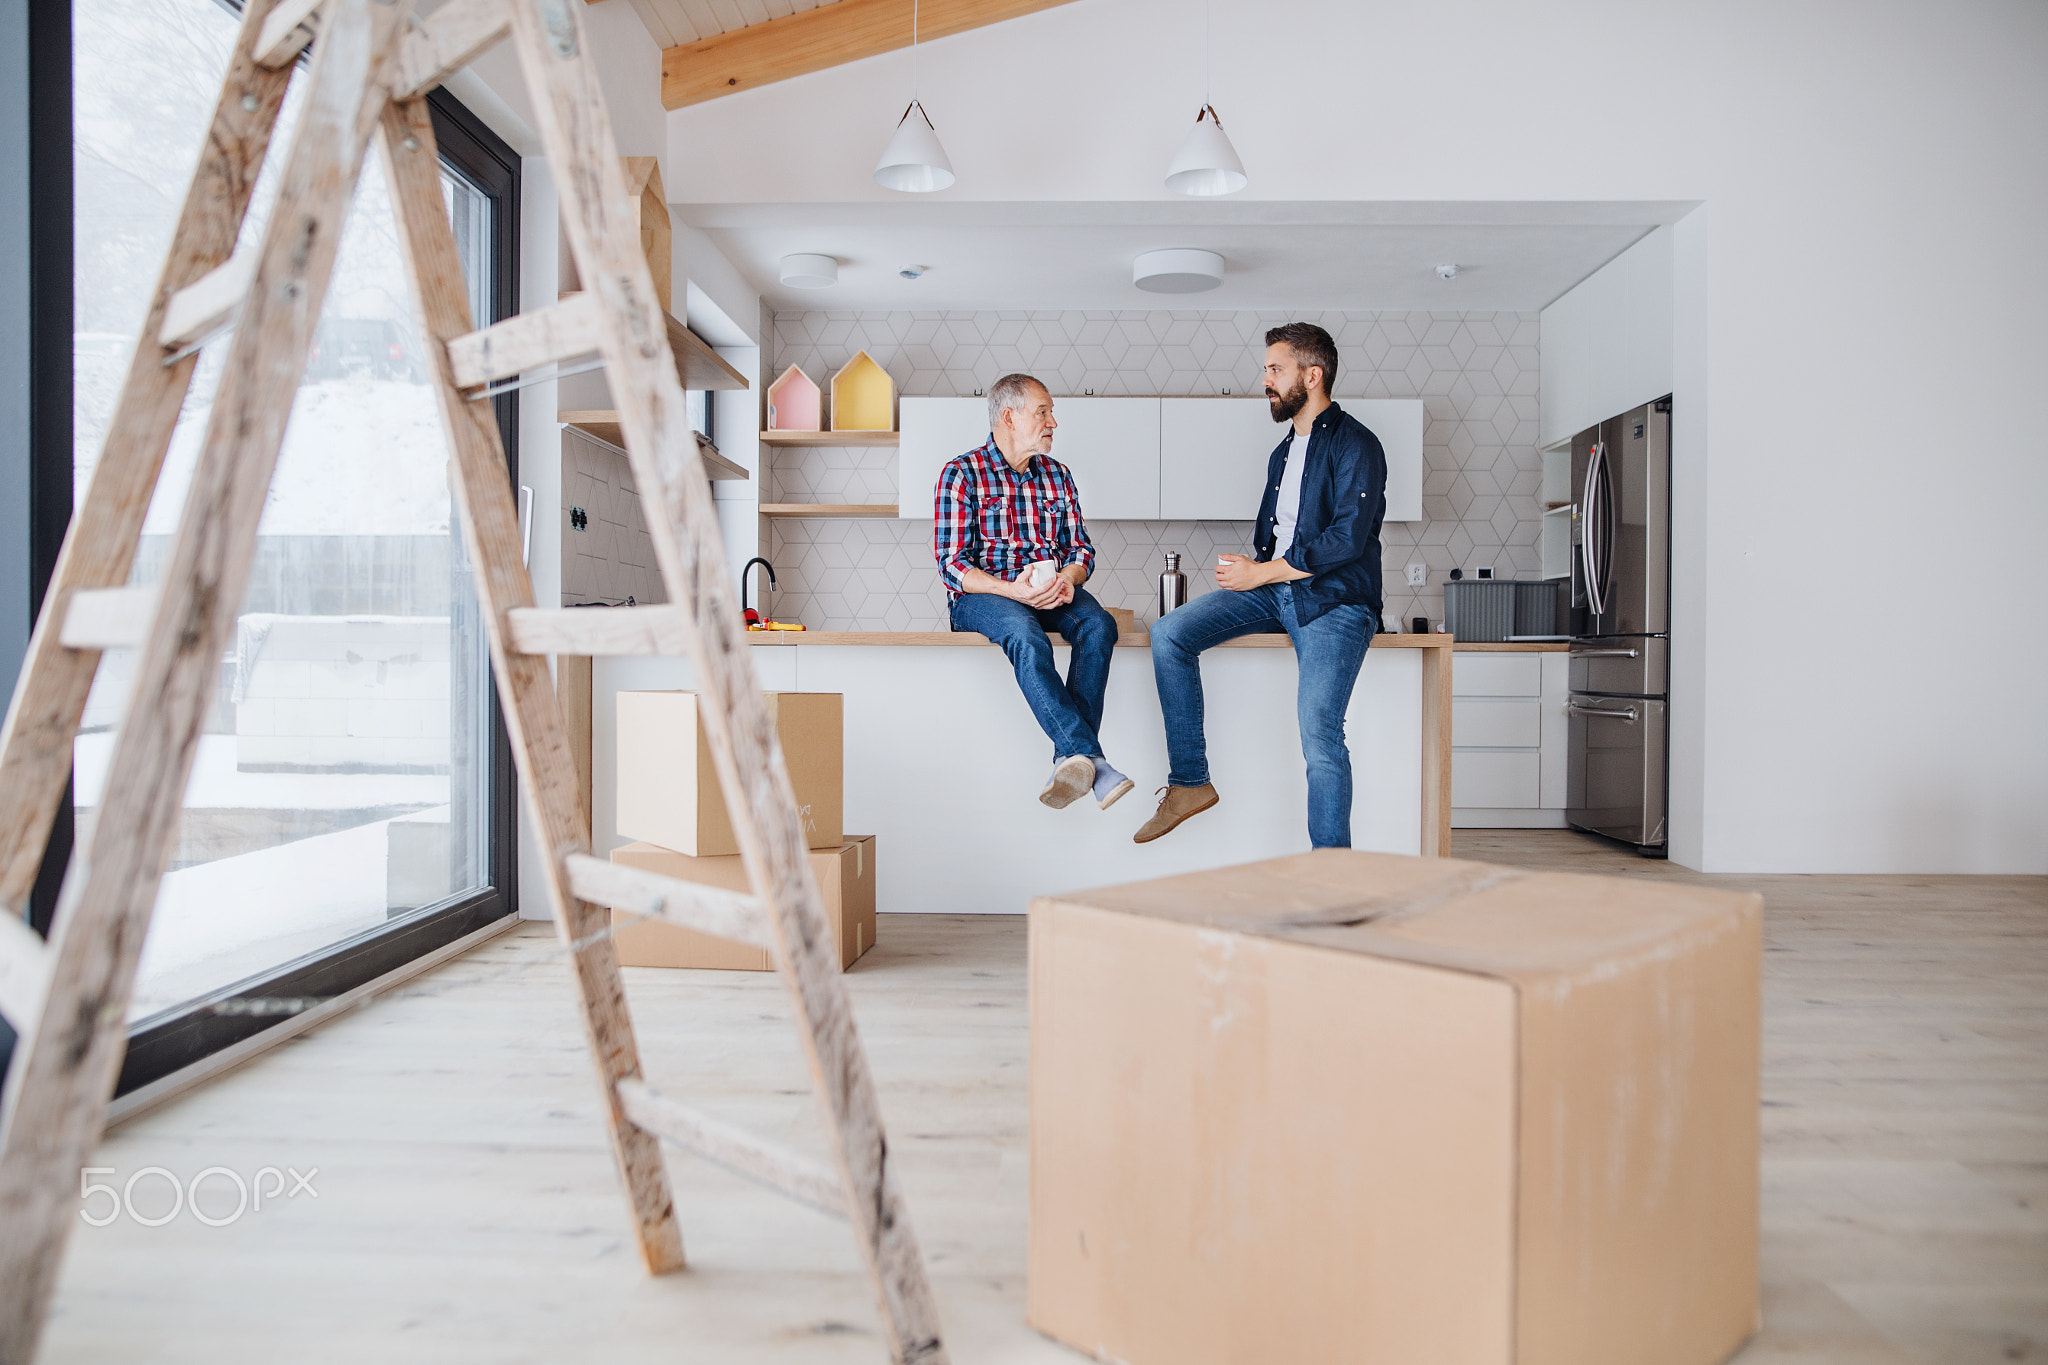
x=1175 y=806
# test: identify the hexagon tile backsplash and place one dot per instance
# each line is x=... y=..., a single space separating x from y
x=1475 y=372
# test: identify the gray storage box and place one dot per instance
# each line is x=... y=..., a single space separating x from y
x=1480 y=611
x=1543 y=607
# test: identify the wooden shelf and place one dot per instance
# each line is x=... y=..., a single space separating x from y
x=697 y=365
x=829 y=438
x=883 y=510
x=604 y=425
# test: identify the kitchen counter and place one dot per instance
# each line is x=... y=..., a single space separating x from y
x=1127 y=640
x=1130 y=640
x=944 y=762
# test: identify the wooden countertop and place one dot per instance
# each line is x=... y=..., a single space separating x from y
x=1141 y=638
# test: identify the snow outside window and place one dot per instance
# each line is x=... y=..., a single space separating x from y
x=341 y=783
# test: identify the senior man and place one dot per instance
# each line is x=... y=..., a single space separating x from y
x=1006 y=508
x=1316 y=575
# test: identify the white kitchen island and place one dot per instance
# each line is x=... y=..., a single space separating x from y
x=944 y=761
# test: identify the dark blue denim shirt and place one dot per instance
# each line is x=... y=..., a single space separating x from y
x=1343 y=502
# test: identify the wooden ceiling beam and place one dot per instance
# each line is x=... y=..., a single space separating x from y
x=814 y=39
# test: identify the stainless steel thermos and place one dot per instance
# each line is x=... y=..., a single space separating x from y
x=1173 y=585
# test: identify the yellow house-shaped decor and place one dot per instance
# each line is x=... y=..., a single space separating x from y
x=794 y=402
x=863 y=397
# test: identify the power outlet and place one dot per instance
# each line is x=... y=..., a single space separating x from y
x=1418 y=575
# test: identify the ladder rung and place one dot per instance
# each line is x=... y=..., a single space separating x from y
x=286 y=31
x=662 y=631
x=207 y=302
x=711 y=910
x=108 y=618
x=24 y=972
x=734 y=1148
x=527 y=341
x=444 y=41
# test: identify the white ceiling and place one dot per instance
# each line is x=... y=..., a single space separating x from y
x=1353 y=256
x=671 y=22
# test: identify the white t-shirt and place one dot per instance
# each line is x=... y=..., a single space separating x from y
x=1288 y=509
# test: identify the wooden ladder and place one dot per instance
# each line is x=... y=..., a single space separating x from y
x=372 y=64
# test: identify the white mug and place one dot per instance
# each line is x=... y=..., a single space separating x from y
x=1039 y=572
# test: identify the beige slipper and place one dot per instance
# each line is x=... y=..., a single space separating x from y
x=1072 y=778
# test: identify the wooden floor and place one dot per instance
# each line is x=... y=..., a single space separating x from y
x=467 y=1211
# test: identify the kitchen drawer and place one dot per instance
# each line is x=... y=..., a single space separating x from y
x=1495 y=780
x=1496 y=675
x=1496 y=723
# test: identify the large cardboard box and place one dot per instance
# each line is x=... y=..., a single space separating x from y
x=1352 y=1107
x=668 y=789
x=846 y=880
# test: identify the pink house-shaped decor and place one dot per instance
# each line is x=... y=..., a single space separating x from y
x=794 y=402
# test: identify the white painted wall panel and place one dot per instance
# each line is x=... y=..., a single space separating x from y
x=1213 y=454
x=1606 y=345
x=1112 y=447
x=934 y=431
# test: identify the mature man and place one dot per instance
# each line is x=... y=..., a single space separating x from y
x=1316 y=575
x=1002 y=510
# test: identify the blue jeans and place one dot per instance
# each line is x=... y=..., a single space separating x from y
x=1069 y=712
x=1329 y=651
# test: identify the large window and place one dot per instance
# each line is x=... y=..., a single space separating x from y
x=348 y=806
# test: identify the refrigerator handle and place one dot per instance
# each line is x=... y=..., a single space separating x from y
x=1590 y=540
x=1607 y=654
x=1628 y=716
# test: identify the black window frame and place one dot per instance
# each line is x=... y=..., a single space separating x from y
x=164 y=1044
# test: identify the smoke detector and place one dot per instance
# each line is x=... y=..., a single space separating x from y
x=1179 y=270
x=1448 y=270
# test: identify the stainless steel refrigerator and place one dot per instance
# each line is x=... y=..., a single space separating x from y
x=1621 y=613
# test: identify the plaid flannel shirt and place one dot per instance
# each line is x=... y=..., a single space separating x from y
x=990 y=517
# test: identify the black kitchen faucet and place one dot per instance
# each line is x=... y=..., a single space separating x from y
x=752 y=617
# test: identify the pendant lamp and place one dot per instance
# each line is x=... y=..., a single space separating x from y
x=914 y=162
x=1207 y=163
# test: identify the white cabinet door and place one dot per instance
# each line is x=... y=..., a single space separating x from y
x=1475 y=674
x=1212 y=457
x=1494 y=779
x=1213 y=454
x=1398 y=424
x=935 y=431
x=1557 y=727
x=1112 y=447
x=1496 y=723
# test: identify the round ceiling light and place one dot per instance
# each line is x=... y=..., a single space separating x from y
x=804 y=271
x=1178 y=270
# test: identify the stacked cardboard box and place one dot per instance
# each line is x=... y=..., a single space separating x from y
x=1351 y=1107
x=670 y=803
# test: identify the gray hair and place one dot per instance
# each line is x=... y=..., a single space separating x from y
x=1011 y=391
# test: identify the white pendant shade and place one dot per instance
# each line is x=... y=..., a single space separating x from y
x=1207 y=163
x=1177 y=270
x=914 y=162
x=805 y=271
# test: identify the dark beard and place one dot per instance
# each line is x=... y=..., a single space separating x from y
x=1285 y=408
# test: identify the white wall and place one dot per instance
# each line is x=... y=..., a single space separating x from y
x=1865 y=291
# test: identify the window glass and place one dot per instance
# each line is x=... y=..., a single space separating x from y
x=342 y=782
